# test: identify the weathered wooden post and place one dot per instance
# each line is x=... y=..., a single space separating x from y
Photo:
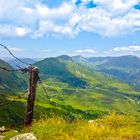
x=33 y=78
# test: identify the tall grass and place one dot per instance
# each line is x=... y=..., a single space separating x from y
x=111 y=127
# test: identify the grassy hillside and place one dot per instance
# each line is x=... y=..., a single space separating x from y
x=101 y=92
x=10 y=81
x=123 y=99
x=124 y=68
x=78 y=94
x=113 y=126
x=58 y=70
x=13 y=110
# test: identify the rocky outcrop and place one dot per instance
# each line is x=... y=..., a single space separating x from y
x=26 y=136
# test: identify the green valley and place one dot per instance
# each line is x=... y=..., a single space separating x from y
x=77 y=92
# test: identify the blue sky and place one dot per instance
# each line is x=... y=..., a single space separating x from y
x=45 y=28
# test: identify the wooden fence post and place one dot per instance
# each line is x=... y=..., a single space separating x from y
x=33 y=78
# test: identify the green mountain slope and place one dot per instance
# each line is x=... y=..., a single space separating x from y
x=13 y=109
x=10 y=81
x=101 y=92
x=124 y=68
x=57 y=69
x=77 y=92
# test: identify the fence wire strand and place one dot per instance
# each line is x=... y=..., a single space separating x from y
x=6 y=48
x=43 y=87
x=24 y=70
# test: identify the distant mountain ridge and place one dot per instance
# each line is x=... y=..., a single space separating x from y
x=14 y=63
x=125 y=68
x=77 y=82
x=128 y=61
x=56 y=68
x=63 y=68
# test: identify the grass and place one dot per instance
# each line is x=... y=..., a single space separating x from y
x=96 y=98
x=113 y=96
x=12 y=115
x=113 y=126
x=76 y=105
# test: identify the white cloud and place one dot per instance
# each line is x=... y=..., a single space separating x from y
x=36 y=19
x=102 y=22
x=20 y=31
x=116 y=6
x=86 y=52
x=13 y=31
x=60 y=12
x=46 y=28
x=126 y=50
x=90 y=51
x=117 y=51
x=16 y=49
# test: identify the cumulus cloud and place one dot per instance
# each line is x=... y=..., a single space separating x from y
x=107 y=19
x=47 y=28
x=85 y=52
x=7 y=30
x=127 y=49
x=91 y=51
x=14 y=49
x=36 y=19
x=116 y=51
x=132 y=50
x=116 y=6
x=60 y=12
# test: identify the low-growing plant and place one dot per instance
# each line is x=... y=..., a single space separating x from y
x=113 y=126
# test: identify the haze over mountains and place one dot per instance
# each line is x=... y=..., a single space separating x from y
x=79 y=82
x=15 y=63
x=124 y=68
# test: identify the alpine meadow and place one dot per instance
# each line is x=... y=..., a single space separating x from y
x=70 y=70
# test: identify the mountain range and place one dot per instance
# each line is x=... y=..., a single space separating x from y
x=124 y=68
x=15 y=63
x=63 y=68
x=87 y=84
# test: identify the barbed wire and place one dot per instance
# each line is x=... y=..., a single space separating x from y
x=21 y=95
x=24 y=70
x=46 y=93
x=5 y=69
x=43 y=87
x=6 y=48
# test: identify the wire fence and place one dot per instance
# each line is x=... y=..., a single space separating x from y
x=23 y=70
x=6 y=48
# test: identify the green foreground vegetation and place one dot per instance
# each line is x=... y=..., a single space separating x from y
x=78 y=94
x=112 y=126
